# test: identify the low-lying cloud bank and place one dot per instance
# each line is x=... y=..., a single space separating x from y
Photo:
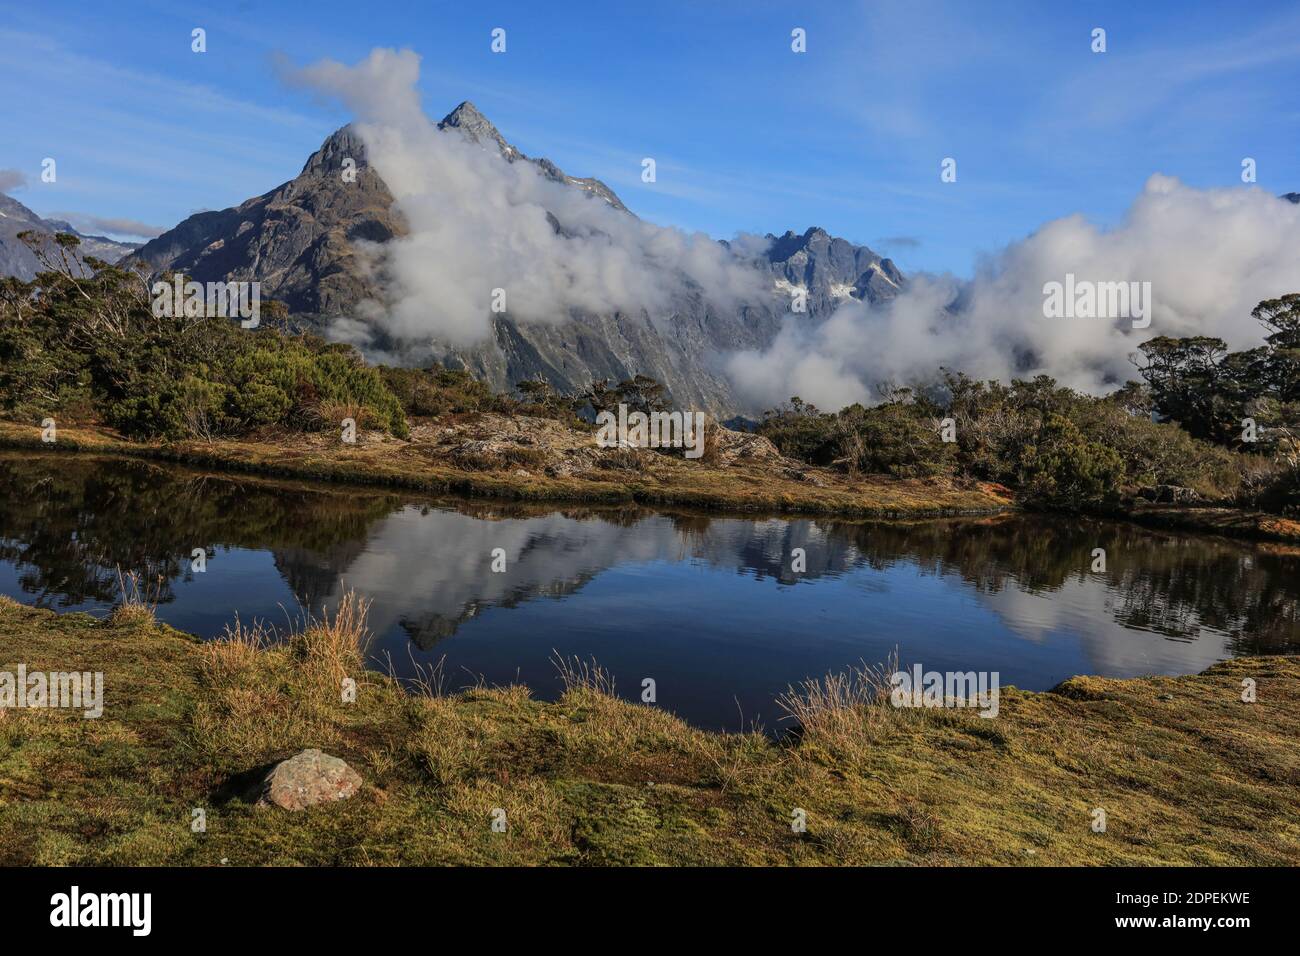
x=478 y=224
x=1210 y=255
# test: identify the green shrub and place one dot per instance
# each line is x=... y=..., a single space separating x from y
x=1063 y=467
x=799 y=430
x=434 y=392
x=899 y=438
x=1055 y=445
x=69 y=344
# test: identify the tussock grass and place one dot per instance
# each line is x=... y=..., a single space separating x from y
x=247 y=717
x=332 y=647
x=505 y=458
x=332 y=414
x=844 y=709
x=236 y=651
x=579 y=676
x=1187 y=772
x=137 y=605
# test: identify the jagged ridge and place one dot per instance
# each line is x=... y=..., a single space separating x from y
x=297 y=240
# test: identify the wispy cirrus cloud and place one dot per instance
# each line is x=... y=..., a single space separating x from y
x=134 y=143
x=113 y=225
x=11 y=179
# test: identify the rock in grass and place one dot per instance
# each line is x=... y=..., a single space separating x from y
x=307 y=779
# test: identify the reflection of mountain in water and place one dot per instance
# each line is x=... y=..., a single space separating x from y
x=68 y=523
x=313 y=575
x=430 y=571
x=1033 y=572
x=428 y=627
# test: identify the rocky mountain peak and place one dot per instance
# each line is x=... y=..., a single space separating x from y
x=477 y=128
x=299 y=240
x=1293 y=197
x=339 y=145
x=830 y=269
x=11 y=208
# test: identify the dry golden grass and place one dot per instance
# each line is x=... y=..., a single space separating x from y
x=1187 y=772
x=245 y=716
x=235 y=652
x=334 y=647
x=579 y=675
x=137 y=605
x=331 y=415
x=844 y=708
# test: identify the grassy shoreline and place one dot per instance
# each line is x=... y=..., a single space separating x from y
x=1187 y=773
x=870 y=497
x=396 y=464
x=1224 y=522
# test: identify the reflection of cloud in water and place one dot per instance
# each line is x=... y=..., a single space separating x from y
x=711 y=603
x=1085 y=609
x=431 y=571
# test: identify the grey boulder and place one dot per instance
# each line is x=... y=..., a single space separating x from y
x=307 y=779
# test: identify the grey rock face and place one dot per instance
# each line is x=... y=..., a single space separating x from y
x=831 y=269
x=474 y=126
x=17 y=260
x=297 y=240
x=307 y=779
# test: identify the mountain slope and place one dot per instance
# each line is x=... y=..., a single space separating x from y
x=299 y=239
x=17 y=260
x=296 y=239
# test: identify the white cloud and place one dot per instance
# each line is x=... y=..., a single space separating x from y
x=1210 y=256
x=478 y=223
x=11 y=179
x=111 y=225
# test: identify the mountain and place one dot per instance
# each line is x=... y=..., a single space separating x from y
x=474 y=126
x=297 y=240
x=831 y=269
x=17 y=260
x=1293 y=197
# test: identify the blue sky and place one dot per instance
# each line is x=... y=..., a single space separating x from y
x=747 y=135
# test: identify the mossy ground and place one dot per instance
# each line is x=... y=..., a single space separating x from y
x=1186 y=772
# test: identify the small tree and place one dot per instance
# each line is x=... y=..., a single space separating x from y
x=641 y=393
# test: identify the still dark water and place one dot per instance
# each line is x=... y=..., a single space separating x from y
x=706 y=606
